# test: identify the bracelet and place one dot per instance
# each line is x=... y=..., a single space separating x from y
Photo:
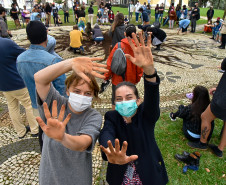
x=151 y=76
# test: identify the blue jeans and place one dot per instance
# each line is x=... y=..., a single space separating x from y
x=137 y=16
x=166 y=21
x=156 y=17
x=160 y=15
x=78 y=49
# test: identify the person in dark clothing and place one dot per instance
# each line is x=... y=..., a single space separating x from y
x=191 y=114
x=195 y=15
x=4 y=32
x=14 y=14
x=210 y=13
x=91 y=14
x=156 y=13
x=216 y=109
x=117 y=29
x=158 y=36
x=97 y=34
x=48 y=10
x=131 y=126
x=108 y=5
x=66 y=12
x=55 y=14
x=145 y=17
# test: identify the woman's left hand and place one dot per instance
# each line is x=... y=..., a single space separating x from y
x=55 y=127
x=142 y=54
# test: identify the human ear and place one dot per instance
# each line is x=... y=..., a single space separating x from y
x=67 y=92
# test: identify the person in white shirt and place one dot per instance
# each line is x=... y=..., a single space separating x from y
x=137 y=7
x=131 y=9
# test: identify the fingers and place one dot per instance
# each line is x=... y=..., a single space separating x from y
x=46 y=110
x=141 y=39
x=84 y=77
x=100 y=69
x=111 y=147
x=124 y=147
x=100 y=65
x=54 y=109
x=67 y=119
x=97 y=75
x=132 y=59
x=149 y=39
x=96 y=59
x=105 y=150
x=131 y=43
x=135 y=39
x=117 y=145
x=61 y=114
x=132 y=158
x=41 y=122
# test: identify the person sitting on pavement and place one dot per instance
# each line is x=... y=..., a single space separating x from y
x=216 y=109
x=99 y=17
x=126 y=20
x=132 y=160
x=72 y=128
x=158 y=36
x=133 y=73
x=191 y=114
x=183 y=25
x=14 y=89
x=76 y=40
x=97 y=34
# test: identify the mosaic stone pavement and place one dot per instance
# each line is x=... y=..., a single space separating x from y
x=183 y=62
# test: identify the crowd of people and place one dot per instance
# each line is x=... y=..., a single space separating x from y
x=62 y=107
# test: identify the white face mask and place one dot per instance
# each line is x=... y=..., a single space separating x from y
x=78 y=102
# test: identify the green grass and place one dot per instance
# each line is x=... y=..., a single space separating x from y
x=217 y=13
x=171 y=140
x=12 y=26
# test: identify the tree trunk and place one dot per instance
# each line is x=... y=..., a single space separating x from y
x=218 y=4
x=224 y=9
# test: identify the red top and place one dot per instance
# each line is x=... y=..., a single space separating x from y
x=111 y=16
x=133 y=72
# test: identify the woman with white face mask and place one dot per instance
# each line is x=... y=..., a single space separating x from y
x=127 y=138
x=70 y=126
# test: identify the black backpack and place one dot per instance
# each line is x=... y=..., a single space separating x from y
x=118 y=63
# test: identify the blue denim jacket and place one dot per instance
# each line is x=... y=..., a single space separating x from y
x=32 y=61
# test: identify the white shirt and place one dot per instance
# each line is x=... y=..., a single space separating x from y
x=137 y=7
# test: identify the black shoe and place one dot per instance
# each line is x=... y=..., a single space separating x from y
x=27 y=130
x=34 y=135
x=189 y=159
x=212 y=38
x=215 y=150
x=171 y=117
x=104 y=86
x=221 y=47
x=158 y=49
x=199 y=145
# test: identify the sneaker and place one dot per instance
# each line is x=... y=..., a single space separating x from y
x=104 y=86
x=189 y=159
x=34 y=135
x=27 y=130
x=171 y=117
x=198 y=145
x=215 y=150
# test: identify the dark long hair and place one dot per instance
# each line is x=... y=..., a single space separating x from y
x=200 y=100
x=130 y=85
x=119 y=20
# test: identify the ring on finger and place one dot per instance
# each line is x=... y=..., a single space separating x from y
x=55 y=117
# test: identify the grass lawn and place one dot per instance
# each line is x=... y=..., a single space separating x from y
x=218 y=13
x=171 y=140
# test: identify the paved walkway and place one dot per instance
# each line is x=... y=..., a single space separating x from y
x=183 y=62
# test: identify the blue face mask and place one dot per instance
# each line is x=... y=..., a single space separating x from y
x=126 y=108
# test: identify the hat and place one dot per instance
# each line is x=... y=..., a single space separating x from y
x=36 y=32
x=218 y=18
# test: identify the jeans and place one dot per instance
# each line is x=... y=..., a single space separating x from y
x=131 y=14
x=137 y=16
x=193 y=25
x=156 y=17
x=160 y=15
x=66 y=15
x=14 y=98
x=78 y=49
x=55 y=18
x=166 y=21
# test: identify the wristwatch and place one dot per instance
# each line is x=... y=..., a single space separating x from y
x=151 y=76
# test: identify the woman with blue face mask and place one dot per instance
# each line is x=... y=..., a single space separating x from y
x=127 y=138
x=70 y=125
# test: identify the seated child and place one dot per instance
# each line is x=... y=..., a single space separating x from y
x=81 y=24
x=105 y=16
x=126 y=20
x=76 y=40
x=215 y=29
x=99 y=17
x=208 y=27
x=191 y=114
x=111 y=17
x=97 y=34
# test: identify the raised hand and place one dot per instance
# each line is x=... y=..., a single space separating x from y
x=142 y=54
x=82 y=65
x=55 y=127
x=117 y=156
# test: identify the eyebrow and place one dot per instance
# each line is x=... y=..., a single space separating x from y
x=126 y=95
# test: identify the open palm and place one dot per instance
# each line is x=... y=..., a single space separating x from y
x=55 y=127
x=117 y=156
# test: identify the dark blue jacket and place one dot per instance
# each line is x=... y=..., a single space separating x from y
x=10 y=79
x=141 y=140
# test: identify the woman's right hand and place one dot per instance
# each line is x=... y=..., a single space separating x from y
x=117 y=156
x=82 y=65
x=212 y=90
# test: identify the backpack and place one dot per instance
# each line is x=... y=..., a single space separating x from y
x=118 y=63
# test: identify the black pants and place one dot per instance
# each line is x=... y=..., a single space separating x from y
x=55 y=18
x=193 y=25
x=66 y=15
x=223 y=40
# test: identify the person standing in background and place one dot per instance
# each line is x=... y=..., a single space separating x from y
x=14 y=14
x=195 y=15
x=90 y=14
x=55 y=14
x=66 y=12
x=210 y=13
x=161 y=9
x=48 y=11
x=131 y=9
x=156 y=12
x=137 y=7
